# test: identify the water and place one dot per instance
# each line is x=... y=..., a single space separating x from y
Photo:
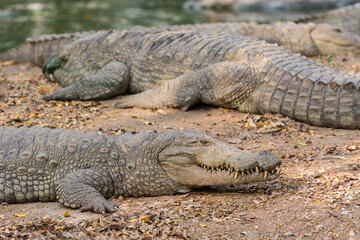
x=20 y=19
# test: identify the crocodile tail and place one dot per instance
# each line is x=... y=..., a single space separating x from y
x=330 y=99
x=38 y=50
x=308 y=92
x=18 y=54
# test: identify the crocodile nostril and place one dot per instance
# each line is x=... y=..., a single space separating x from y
x=265 y=152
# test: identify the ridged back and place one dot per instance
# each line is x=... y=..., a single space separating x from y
x=37 y=50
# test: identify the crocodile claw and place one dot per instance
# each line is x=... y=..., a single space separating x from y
x=103 y=206
x=124 y=103
x=64 y=94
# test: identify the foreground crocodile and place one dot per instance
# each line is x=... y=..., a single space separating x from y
x=81 y=170
x=180 y=69
x=308 y=39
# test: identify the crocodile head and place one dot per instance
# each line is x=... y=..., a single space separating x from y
x=334 y=40
x=193 y=159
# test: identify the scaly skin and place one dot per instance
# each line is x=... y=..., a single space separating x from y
x=217 y=69
x=346 y=18
x=81 y=170
x=307 y=39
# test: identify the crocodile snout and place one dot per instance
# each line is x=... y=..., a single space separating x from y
x=334 y=40
x=53 y=63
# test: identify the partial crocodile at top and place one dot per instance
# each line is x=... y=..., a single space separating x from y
x=182 y=68
x=346 y=18
x=308 y=39
x=81 y=170
x=241 y=5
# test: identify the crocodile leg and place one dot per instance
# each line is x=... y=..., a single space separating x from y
x=110 y=81
x=226 y=84
x=85 y=189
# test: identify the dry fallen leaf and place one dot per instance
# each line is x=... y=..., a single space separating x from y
x=144 y=219
x=20 y=215
x=203 y=225
x=8 y=63
x=66 y=213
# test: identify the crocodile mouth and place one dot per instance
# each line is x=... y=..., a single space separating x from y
x=257 y=172
x=205 y=163
x=52 y=64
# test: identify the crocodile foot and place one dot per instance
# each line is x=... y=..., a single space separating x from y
x=99 y=206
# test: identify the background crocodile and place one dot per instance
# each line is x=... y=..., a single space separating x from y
x=268 y=4
x=347 y=18
x=81 y=170
x=308 y=39
x=217 y=69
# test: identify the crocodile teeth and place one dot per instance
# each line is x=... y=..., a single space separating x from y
x=265 y=174
x=242 y=174
x=236 y=174
x=51 y=77
x=257 y=169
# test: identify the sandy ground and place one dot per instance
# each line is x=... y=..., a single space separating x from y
x=316 y=197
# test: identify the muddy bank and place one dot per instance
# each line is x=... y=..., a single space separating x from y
x=317 y=196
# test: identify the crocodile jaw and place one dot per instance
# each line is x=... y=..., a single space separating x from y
x=198 y=176
x=209 y=162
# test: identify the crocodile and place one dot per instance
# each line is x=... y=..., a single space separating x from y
x=82 y=170
x=180 y=69
x=346 y=18
x=308 y=39
x=245 y=5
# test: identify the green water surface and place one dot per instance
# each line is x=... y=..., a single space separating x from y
x=20 y=19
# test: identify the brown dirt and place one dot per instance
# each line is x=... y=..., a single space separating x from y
x=317 y=196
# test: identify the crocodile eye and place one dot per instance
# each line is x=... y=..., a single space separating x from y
x=199 y=143
x=204 y=142
x=264 y=152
